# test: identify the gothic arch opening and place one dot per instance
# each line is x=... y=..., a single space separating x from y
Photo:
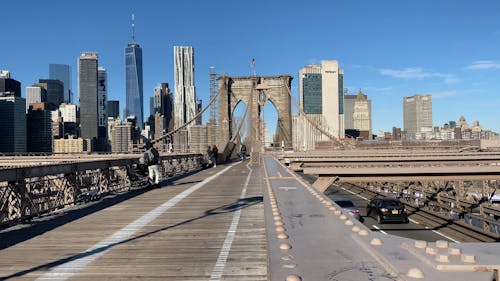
x=269 y=117
x=240 y=122
x=255 y=92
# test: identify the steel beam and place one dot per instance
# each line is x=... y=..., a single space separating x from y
x=395 y=174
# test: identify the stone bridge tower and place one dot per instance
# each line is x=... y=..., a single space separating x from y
x=254 y=92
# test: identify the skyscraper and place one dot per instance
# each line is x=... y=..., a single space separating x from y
x=87 y=92
x=12 y=123
x=185 y=96
x=199 y=108
x=113 y=108
x=62 y=72
x=7 y=84
x=321 y=91
x=417 y=114
x=39 y=128
x=55 y=90
x=332 y=88
x=163 y=104
x=362 y=115
x=35 y=94
x=102 y=100
x=310 y=95
x=349 y=101
x=133 y=79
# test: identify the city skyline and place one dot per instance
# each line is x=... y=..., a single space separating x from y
x=389 y=50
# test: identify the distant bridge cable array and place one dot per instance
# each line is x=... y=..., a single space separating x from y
x=259 y=87
x=315 y=125
x=212 y=100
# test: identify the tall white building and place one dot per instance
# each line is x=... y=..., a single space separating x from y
x=185 y=96
x=321 y=97
x=362 y=115
x=417 y=114
x=332 y=89
x=349 y=101
x=68 y=112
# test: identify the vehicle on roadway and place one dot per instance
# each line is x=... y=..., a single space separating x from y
x=348 y=207
x=387 y=210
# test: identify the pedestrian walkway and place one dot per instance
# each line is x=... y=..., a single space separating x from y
x=207 y=226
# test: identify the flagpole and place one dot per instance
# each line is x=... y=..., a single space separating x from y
x=253 y=67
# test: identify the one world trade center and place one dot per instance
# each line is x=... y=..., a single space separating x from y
x=133 y=77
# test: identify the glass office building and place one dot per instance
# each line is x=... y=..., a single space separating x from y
x=133 y=79
x=312 y=93
x=62 y=72
x=87 y=91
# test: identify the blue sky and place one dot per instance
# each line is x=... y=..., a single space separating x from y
x=388 y=48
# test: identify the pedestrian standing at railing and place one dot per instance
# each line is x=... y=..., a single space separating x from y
x=151 y=158
x=215 y=153
x=209 y=154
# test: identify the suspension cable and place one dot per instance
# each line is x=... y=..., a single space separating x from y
x=241 y=123
x=323 y=131
x=212 y=100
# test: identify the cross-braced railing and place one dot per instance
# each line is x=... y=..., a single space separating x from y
x=27 y=192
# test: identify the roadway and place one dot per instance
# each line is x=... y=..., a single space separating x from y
x=232 y=222
x=413 y=230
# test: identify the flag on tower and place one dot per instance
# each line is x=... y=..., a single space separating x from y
x=253 y=62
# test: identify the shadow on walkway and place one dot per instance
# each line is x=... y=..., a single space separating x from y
x=37 y=226
x=238 y=205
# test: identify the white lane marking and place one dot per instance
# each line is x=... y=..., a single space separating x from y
x=287 y=188
x=380 y=230
x=74 y=265
x=355 y=194
x=445 y=236
x=226 y=246
x=413 y=221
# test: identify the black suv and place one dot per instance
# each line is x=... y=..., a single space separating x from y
x=387 y=209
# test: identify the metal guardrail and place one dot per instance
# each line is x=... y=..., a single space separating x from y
x=27 y=192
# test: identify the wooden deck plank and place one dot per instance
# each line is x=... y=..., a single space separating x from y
x=182 y=243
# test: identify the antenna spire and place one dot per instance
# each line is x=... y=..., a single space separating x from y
x=133 y=29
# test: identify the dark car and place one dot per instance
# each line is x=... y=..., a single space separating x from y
x=387 y=209
x=348 y=207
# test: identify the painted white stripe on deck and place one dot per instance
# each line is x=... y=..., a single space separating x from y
x=68 y=269
x=414 y=221
x=445 y=236
x=379 y=229
x=353 y=193
x=226 y=246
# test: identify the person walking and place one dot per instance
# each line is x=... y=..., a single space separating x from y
x=243 y=152
x=209 y=154
x=151 y=159
x=215 y=153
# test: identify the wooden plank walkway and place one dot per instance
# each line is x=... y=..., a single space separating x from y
x=185 y=230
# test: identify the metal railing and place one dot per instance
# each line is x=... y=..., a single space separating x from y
x=27 y=192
